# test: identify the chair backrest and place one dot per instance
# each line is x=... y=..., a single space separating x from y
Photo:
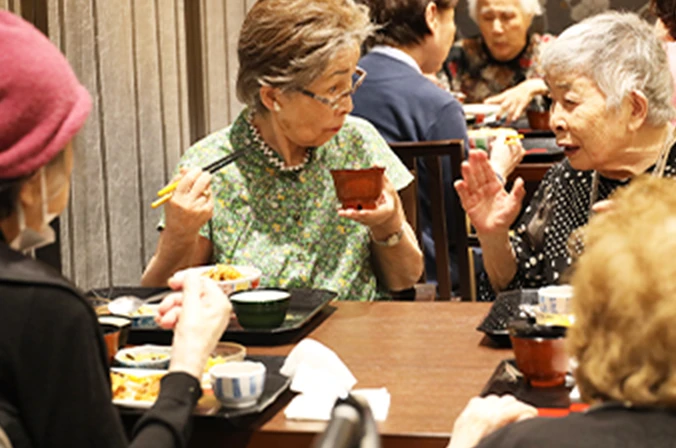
x=431 y=153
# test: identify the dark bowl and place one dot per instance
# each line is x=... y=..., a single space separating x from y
x=538 y=119
x=111 y=335
x=358 y=189
x=261 y=308
x=123 y=323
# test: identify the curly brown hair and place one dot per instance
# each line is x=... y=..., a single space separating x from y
x=624 y=336
x=401 y=22
x=289 y=43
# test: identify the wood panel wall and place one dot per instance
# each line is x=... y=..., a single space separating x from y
x=133 y=55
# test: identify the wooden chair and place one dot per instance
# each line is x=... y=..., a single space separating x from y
x=431 y=153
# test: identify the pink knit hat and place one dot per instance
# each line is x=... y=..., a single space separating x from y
x=42 y=104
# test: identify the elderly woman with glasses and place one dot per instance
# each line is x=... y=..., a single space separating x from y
x=611 y=111
x=275 y=207
x=501 y=65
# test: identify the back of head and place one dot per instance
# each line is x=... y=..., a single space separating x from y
x=289 y=43
x=620 y=53
x=624 y=336
x=42 y=104
x=401 y=22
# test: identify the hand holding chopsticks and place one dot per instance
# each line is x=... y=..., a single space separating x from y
x=167 y=192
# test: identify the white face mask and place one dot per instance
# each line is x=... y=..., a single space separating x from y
x=29 y=239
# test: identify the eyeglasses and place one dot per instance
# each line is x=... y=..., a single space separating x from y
x=357 y=80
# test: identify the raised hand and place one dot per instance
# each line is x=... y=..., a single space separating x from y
x=202 y=313
x=489 y=207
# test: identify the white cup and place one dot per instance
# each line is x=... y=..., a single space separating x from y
x=555 y=305
x=238 y=384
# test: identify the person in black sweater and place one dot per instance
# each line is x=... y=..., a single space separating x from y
x=623 y=337
x=54 y=382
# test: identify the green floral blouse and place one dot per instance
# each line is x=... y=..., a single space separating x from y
x=287 y=224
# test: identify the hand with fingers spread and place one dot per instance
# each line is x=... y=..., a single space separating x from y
x=513 y=102
x=489 y=207
x=482 y=416
x=191 y=205
x=199 y=315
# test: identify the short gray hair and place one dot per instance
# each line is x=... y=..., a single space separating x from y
x=621 y=54
x=529 y=7
x=289 y=43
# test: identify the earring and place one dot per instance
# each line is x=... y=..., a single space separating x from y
x=276 y=107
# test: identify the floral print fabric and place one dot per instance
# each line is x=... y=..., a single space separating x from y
x=287 y=224
x=472 y=70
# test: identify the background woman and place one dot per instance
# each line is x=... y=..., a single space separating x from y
x=54 y=381
x=413 y=38
x=611 y=92
x=275 y=208
x=501 y=65
x=623 y=338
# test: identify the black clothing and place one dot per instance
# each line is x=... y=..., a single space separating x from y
x=558 y=208
x=54 y=378
x=608 y=426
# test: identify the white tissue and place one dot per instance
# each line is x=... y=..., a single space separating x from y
x=321 y=377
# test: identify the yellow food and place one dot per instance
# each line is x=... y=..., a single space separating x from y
x=214 y=360
x=222 y=272
x=135 y=387
x=144 y=310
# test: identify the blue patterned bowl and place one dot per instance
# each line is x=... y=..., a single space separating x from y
x=238 y=384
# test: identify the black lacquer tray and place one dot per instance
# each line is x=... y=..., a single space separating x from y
x=308 y=308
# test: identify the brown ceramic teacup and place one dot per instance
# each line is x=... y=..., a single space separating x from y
x=540 y=354
x=358 y=189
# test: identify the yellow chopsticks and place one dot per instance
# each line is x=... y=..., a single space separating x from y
x=167 y=192
x=512 y=138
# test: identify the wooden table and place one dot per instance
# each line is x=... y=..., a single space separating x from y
x=427 y=354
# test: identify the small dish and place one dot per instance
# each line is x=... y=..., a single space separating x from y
x=359 y=189
x=225 y=352
x=250 y=277
x=145 y=356
x=261 y=309
x=238 y=384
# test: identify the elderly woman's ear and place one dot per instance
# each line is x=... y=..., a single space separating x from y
x=638 y=103
x=269 y=97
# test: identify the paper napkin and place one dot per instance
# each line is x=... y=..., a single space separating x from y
x=320 y=377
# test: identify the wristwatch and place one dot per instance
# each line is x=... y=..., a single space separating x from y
x=391 y=240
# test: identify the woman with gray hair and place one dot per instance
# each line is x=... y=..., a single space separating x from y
x=611 y=91
x=501 y=65
x=275 y=207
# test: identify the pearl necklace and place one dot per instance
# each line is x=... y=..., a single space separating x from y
x=272 y=156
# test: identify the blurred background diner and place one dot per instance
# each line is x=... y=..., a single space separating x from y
x=275 y=207
x=412 y=38
x=621 y=339
x=55 y=388
x=502 y=64
x=611 y=112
